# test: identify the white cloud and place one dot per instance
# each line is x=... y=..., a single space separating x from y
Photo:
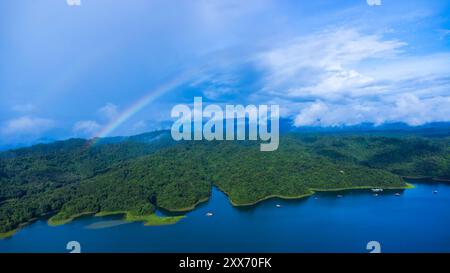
x=86 y=127
x=27 y=125
x=405 y=107
x=24 y=108
x=219 y=92
x=109 y=111
x=312 y=115
x=374 y=2
x=320 y=64
x=89 y=128
x=353 y=78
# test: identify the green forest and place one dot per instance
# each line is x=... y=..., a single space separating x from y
x=137 y=174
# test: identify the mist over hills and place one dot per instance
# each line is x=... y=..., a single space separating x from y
x=436 y=129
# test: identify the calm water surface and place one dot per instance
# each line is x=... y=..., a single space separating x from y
x=416 y=221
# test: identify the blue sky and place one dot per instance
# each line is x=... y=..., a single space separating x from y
x=69 y=71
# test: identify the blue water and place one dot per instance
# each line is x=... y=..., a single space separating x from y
x=416 y=221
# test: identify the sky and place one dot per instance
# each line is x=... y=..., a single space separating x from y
x=106 y=68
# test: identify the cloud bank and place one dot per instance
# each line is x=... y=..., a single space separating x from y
x=27 y=125
x=343 y=77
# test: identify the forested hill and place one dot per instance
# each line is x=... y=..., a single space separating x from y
x=137 y=174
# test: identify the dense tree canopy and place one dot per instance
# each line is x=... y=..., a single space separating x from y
x=137 y=174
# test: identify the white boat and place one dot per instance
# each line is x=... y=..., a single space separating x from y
x=397 y=194
x=278 y=205
x=209 y=214
x=377 y=190
x=435 y=192
x=340 y=196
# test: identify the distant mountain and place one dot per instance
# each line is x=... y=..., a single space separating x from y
x=149 y=137
x=437 y=129
x=44 y=140
x=441 y=129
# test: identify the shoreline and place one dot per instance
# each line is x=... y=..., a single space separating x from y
x=154 y=220
x=54 y=223
x=429 y=178
x=190 y=208
x=312 y=192
x=5 y=235
x=149 y=220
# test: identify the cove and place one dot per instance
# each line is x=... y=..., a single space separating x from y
x=417 y=220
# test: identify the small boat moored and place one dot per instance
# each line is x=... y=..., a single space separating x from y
x=209 y=214
x=278 y=205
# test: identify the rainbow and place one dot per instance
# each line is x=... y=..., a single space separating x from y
x=136 y=107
